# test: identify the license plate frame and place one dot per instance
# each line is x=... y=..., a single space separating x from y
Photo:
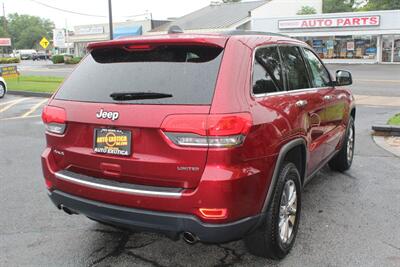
x=110 y=141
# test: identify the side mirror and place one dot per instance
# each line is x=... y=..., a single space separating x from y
x=343 y=78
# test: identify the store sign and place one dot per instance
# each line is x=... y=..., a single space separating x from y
x=5 y=41
x=358 y=21
x=59 y=38
x=90 y=30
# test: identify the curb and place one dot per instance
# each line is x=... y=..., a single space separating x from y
x=29 y=94
x=382 y=129
x=380 y=141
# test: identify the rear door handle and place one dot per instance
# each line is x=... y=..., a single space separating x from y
x=301 y=103
x=328 y=97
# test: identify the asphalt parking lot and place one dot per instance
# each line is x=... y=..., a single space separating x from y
x=348 y=219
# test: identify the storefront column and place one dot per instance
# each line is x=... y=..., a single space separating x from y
x=379 y=49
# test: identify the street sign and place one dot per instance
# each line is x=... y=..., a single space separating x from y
x=44 y=42
x=59 y=38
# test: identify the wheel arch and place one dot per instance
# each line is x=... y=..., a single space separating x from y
x=289 y=152
x=353 y=112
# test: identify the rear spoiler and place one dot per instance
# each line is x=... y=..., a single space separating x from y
x=173 y=39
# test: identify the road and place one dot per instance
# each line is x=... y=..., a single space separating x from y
x=372 y=79
x=348 y=219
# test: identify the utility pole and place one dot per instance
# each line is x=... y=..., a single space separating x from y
x=4 y=19
x=110 y=19
x=4 y=28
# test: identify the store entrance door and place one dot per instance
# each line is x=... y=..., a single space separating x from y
x=387 y=48
x=396 y=48
x=391 y=48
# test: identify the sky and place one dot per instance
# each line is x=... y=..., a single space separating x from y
x=122 y=9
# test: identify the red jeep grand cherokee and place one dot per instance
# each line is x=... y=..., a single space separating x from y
x=206 y=136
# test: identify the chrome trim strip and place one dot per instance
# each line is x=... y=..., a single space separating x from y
x=115 y=188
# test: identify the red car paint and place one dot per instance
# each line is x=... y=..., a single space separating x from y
x=235 y=180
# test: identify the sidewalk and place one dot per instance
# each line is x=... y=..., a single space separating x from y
x=389 y=143
x=377 y=100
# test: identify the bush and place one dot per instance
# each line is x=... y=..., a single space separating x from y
x=57 y=59
x=9 y=60
x=74 y=60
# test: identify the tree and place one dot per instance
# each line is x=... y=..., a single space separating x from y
x=306 y=10
x=381 y=5
x=334 y=6
x=26 y=31
x=3 y=28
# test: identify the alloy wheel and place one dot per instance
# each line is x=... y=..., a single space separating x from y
x=350 y=144
x=2 y=90
x=287 y=212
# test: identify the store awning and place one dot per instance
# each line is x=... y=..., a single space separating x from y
x=126 y=31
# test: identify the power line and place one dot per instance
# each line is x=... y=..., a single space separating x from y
x=80 y=13
x=68 y=11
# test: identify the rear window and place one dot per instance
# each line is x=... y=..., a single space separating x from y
x=188 y=73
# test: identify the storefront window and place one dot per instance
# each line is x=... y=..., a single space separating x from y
x=344 y=47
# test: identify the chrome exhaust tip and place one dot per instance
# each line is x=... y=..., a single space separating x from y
x=66 y=210
x=190 y=238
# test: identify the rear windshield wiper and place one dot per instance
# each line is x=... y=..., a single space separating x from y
x=121 y=96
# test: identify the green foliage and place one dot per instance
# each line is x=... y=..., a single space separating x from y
x=381 y=5
x=47 y=84
x=395 y=120
x=3 y=23
x=26 y=31
x=57 y=59
x=9 y=60
x=334 y=6
x=74 y=60
x=306 y=10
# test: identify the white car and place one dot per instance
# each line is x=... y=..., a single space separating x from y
x=3 y=87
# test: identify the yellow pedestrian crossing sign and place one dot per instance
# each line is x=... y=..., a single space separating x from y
x=44 y=42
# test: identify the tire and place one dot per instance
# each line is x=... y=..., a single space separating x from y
x=344 y=158
x=268 y=240
x=2 y=90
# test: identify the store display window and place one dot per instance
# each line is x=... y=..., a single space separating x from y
x=344 y=47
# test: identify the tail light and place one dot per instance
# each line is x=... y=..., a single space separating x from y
x=199 y=130
x=54 y=119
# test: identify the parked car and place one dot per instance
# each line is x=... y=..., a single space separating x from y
x=40 y=55
x=208 y=137
x=26 y=54
x=3 y=87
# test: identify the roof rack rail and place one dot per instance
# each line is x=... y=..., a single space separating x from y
x=247 y=32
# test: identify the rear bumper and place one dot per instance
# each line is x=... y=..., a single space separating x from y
x=171 y=224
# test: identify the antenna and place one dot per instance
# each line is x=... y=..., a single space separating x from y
x=175 y=29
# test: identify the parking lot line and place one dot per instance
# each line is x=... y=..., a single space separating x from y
x=13 y=104
x=35 y=107
x=19 y=117
x=8 y=102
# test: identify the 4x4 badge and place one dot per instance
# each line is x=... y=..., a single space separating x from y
x=112 y=115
